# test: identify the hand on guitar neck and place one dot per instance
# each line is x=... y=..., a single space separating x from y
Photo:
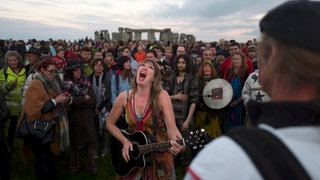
x=176 y=147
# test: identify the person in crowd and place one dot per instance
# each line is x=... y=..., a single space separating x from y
x=33 y=56
x=12 y=79
x=109 y=59
x=126 y=51
x=219 y=61
x=101 y=86
x=234 y=47
x=252 y=91
x=181 y=50
x=81 y=116
x=184 y=93
x=252 y=55
x=207 y=55
x=293 y=114
x=205 y=117
x=20 y=47
x=151 y=54
x=60 y=59
x=98 y=55
x=224 y=50
x=121 y=81
x=236 y=75
x=140 y=55
x=45 y=100
x=168 y=56
x=146 y=101
x=3 y=51
x=197 y=63
x=107 y=48
x=86 y=58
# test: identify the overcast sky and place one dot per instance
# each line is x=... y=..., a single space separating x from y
x=208 y=20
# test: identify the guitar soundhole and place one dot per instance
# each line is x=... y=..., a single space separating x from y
x=135 y=154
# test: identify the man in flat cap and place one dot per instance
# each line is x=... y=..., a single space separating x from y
x=284 y=142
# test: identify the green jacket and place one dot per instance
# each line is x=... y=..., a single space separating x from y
x=13 y=95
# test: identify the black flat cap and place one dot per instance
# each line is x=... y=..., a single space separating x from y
x=34 y=50
x=294 y=22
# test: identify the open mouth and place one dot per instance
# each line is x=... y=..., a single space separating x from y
x=142 y=75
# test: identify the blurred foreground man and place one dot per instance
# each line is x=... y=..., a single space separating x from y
x=285 y=142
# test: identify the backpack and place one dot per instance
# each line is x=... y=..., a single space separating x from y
x=269 y=154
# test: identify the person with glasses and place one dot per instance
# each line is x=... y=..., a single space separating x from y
x=45 y=100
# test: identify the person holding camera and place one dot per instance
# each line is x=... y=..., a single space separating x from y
x=45 y=101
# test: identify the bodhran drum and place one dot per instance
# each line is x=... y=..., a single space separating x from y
x=217 y=93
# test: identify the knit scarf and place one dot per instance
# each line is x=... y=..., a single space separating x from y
x=53 y=89
x=97 y=88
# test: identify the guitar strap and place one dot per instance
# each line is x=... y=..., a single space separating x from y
x=270 y=155
x=154 y=124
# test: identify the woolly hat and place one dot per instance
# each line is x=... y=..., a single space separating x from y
x=121 y=60
x=44 y=50
x=72 y=64
x=34 y=50
x=252 y=48
x=294 y=22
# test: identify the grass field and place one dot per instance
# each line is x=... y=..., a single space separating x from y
x=26 y=172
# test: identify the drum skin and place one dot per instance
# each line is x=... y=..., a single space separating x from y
x=217 y=94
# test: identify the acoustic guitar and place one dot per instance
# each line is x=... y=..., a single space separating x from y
x=142 y=146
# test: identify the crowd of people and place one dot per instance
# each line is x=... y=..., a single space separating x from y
x=94 y=73
x=94 y=89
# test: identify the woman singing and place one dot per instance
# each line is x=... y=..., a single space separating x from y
x=147 y=98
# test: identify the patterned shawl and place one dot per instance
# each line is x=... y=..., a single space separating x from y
x=53 y=88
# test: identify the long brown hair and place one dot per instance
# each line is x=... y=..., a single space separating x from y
x=243 y=71
x=155 y=88
x=200 y=74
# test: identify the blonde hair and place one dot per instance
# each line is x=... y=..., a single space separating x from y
x=18 y=57
x=155 y=88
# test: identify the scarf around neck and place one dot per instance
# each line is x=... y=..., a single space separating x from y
x=53 y=89
x=97 y=88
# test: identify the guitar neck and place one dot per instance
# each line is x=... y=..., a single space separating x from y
x=158 y=146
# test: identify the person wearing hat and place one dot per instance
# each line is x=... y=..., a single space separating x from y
x=81 y=116
x=252 y=54
x=33 y=55
x=284 y=140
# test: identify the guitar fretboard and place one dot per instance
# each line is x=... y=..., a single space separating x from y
x=157 y=146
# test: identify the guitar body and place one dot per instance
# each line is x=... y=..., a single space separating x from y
x=143 y=144
x=137 y=160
